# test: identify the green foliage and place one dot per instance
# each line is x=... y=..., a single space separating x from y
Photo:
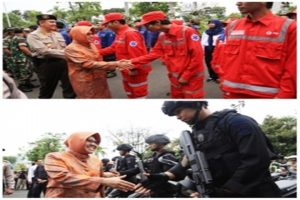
x=138 y=9
x=120 y=10
x=11 y=159
x=49 y=142
x=20 y=167
x=283 y=133
x=83 y=11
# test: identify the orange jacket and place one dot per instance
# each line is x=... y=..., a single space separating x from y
x=87 y=81
x=74 y=173
x=180 y=50
x=260 y=57
x=128 y=44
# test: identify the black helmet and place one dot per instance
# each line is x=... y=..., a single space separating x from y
x=124 y=147
x=169 y=107
x=157 y=139
x=105 y=160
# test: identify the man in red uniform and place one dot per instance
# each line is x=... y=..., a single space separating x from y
x=128 y=44
x=260 y=54
x=180 y=49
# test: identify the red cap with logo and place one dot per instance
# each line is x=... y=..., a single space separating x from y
x=177 y=21
x=84 y=23
x=152 y=16
x=112 y=17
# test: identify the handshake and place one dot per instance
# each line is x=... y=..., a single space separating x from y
x=124 y=65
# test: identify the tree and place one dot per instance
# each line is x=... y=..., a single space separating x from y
x=15 y=20
x=49 y=142
x=135 y=137
x=11 y=159
x=83 y=11
x=59 y=12
x=138 y=9
x=282 y=133
x=20 y=167
x=120 y=10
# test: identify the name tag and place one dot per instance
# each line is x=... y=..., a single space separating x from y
x=238 y=32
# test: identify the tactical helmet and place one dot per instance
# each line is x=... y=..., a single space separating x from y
x=169 y=107
x=105 y=160
x=157 y=139
x=124 y=147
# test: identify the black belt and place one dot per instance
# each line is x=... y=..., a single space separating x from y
x=49 y=59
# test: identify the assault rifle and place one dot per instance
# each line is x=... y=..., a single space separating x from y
x=198 y=163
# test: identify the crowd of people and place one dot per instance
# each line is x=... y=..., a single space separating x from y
x=232 y=144
x=251 y=57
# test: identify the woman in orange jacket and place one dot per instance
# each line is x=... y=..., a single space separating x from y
x=77 y=173
x=87 y=71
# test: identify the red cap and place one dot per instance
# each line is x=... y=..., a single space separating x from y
x=152 y=16
x=84 y=23
x=177 y=21
x=112 y=17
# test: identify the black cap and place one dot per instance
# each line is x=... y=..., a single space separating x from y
x=124 y=147
x=157 y=139
x=18 y=30
x=45 y=17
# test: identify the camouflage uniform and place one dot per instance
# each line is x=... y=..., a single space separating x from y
x=23 y=64
x=8 y=175
x=8 y=60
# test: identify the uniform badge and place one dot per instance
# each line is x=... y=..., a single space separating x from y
x=195 y=37
x=238 y=32
x=133 y=43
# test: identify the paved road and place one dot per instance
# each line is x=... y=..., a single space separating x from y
x=17 y=194
x=158 y=86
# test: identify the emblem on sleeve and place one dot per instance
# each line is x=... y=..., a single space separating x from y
x=133 y=43
x=195 y=37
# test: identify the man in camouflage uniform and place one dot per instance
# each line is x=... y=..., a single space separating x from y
x=7 y=56
x=8 y=178
x=22 y=61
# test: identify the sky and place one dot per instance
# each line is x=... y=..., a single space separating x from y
x=25 y=121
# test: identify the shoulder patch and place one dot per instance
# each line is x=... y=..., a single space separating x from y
x=195 y=37
x=133 y=43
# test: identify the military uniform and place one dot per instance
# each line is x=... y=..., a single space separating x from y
x=157 y=164
x=23 y=64
x=8 y=59
x=50 y=61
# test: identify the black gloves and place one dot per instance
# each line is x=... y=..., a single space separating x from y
x=159 y=177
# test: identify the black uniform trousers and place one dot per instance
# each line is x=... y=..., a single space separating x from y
x=50 y=71
x=209 y=50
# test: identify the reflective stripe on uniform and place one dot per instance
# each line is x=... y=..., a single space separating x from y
x=137 y=84
x=176 y=75
x=192 y=91
x=280 y=38
x=254 y=88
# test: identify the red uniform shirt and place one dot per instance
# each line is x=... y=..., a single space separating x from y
x=128 y=44
x=180 y=50
x=260 y=57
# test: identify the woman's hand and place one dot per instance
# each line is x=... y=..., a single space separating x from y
x=118 y=183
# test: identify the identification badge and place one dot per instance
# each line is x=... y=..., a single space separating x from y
x=238 y=32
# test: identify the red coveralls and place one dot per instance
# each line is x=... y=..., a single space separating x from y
x=129 y=44
x=181 y=51
x=260 y=58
